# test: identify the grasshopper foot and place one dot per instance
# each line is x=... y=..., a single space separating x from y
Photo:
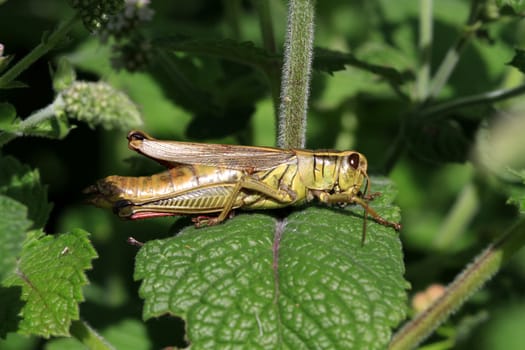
x=395 y=225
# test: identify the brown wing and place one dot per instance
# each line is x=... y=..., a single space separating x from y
x=235 y=157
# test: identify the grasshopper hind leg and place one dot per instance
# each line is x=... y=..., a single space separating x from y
x=285 y=195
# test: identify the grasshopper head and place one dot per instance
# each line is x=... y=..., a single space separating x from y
x=352 y=172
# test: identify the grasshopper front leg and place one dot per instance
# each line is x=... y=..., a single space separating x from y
x=354 y=198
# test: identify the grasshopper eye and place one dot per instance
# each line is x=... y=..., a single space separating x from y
x=353 y=160
x=136 y=135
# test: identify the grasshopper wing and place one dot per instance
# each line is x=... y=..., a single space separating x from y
x=171 y=153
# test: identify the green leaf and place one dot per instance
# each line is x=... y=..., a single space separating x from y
x=330 y=61
x=300 y=282
x=50 y=272
x=64 y=76
x=19 y=182
x=221 y=95
x=241 y=52
x=13 y=228
x=7 y=116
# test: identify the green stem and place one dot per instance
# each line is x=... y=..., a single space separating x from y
x=438 y=111
x=447 y=67
x=425 y=48
x=268 y=38
x=296 y=74
x=452 y=57
x=48 y=42
x=30 y=122
x=39 y=116
x=466 y=283
x=88 y=336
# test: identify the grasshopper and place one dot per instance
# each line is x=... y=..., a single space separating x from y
x=206 y=179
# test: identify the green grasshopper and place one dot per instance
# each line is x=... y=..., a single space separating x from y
x=204 y=179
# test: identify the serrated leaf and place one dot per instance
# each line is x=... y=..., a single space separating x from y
x=301 y=282
x=247 y=53
x=51 y=273
x=13 y=228
x=241 y=52
x=19 y=182
x=330 y=61
x=219 y=94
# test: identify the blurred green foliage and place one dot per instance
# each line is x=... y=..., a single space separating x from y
x=453 y=194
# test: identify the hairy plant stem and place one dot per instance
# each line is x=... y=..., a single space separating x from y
x=466 y=283
x=296 y=74
x=48 y=42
